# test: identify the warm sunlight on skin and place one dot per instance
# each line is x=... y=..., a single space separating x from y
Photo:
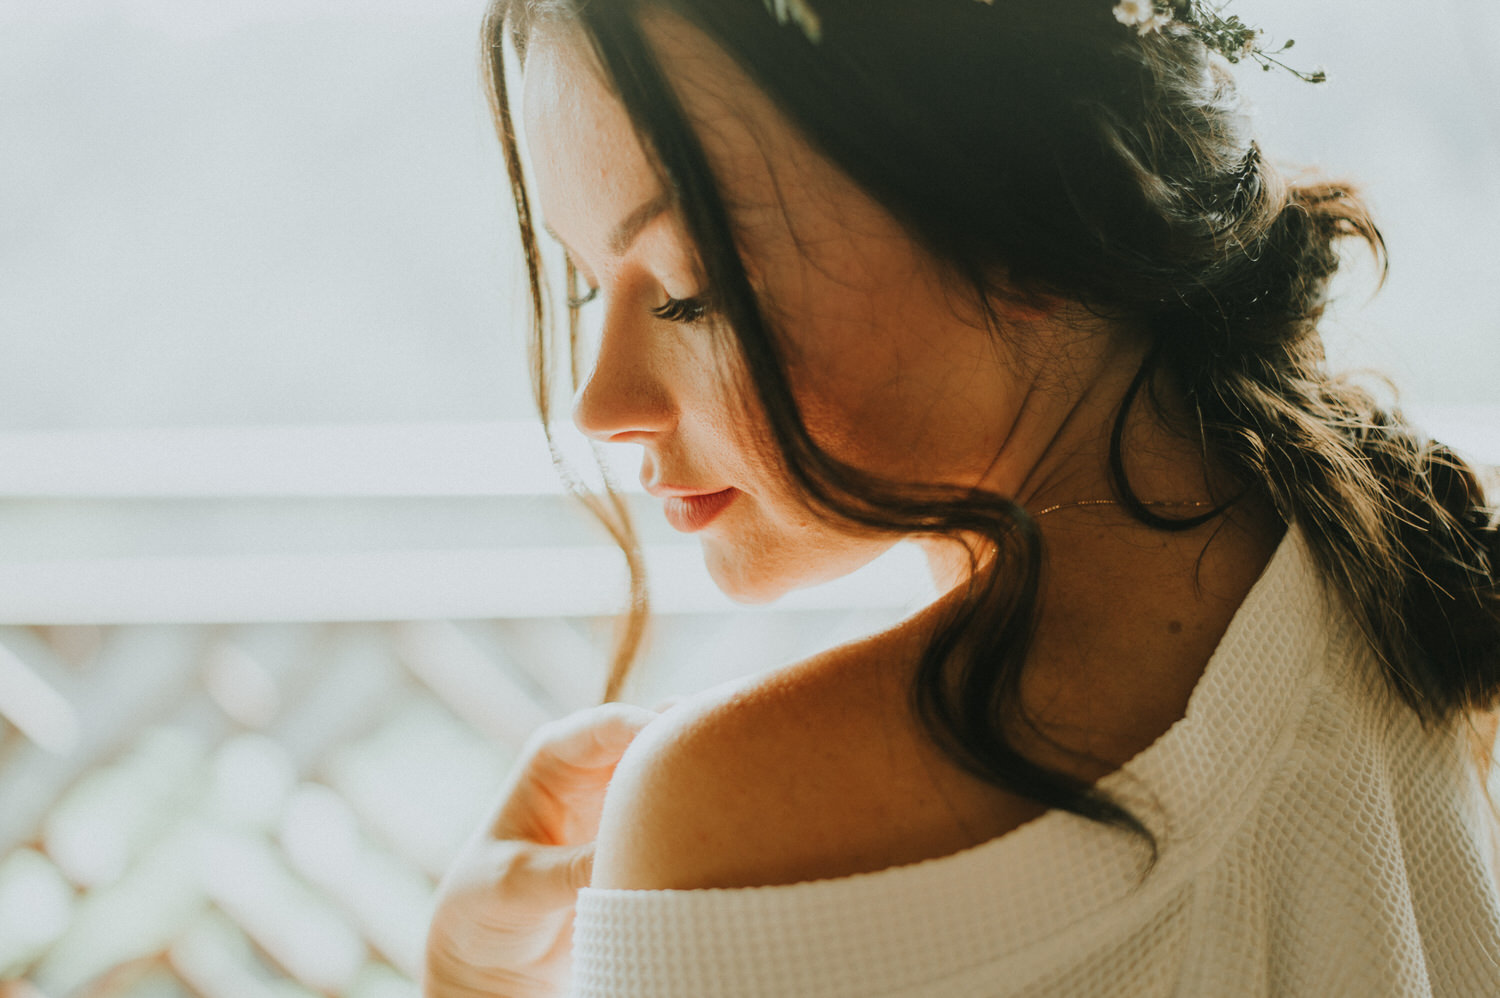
x=895 y=374
x=888 y=376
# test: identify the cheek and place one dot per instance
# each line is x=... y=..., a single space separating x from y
x=741 y=417
x=856 y=410
x=777 y=541
x=844 y=405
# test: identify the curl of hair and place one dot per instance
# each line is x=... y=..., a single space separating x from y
x=1080 y=161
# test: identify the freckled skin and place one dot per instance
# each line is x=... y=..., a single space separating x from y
x=892 y=378
x=887 y=375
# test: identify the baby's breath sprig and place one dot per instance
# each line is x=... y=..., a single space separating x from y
x=1231 y=37
x=800 y=13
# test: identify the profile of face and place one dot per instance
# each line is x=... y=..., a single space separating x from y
x=888 y=374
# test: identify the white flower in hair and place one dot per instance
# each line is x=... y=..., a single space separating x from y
x=1202 y=19
x=800 y=13
x=1142 y=15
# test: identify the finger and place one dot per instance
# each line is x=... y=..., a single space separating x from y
x=562 y=774
x=667 y=704
x=579 y=872
x=596 y=737
x=543 y=878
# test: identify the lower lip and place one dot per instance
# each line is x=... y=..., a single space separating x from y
x=690 y=514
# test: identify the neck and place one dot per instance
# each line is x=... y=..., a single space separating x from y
x=1057 y=451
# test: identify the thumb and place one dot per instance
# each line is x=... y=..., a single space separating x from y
x=545 y=877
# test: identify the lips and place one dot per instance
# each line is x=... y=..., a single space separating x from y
x=691 y=513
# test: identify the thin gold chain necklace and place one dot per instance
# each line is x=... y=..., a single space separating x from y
x=1114 y=502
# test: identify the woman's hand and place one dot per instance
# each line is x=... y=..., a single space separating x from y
x=504 y=919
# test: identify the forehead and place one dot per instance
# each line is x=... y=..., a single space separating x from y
x=786 y=200
x=583 y=148
x=583 y=143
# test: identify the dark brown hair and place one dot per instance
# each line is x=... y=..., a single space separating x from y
x=1044 y=141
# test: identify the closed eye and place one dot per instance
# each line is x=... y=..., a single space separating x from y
x=683 y=310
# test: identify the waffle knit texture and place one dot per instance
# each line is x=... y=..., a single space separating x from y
x=1315 y=841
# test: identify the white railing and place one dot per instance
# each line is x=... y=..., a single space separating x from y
x=343 y=523
x=372 y=523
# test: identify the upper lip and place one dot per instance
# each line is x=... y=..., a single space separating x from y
x=665 y=491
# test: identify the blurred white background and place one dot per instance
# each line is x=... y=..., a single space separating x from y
x=250 y=212
x=285 y=574
x=266 y=212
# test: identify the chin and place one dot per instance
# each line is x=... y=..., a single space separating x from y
x=744 y=582
x=755 y=578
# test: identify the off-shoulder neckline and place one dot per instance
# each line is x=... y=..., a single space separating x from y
x=1279 y=595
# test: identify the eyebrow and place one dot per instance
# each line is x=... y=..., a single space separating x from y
x=624 y=235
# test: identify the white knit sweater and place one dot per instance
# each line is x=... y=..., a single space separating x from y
x=1315 y=841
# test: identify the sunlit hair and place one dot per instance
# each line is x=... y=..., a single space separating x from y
x=1088 y=164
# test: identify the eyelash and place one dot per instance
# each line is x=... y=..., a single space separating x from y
x=682 y=310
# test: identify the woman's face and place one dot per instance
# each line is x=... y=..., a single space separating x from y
x=886 y=375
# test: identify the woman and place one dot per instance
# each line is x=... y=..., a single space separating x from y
x=1202 y=705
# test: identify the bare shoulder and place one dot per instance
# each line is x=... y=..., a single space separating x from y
x=814 y=771
x=679 y=812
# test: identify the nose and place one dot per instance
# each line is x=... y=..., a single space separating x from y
x=626 y=397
